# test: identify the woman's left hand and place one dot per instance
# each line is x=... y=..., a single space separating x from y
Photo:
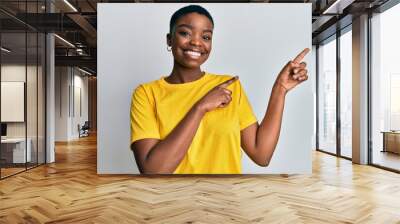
x=293 y=73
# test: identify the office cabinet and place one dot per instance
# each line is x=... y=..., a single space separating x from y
x=391 y=141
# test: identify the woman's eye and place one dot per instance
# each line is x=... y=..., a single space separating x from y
x=207 y=37
x=183 y=33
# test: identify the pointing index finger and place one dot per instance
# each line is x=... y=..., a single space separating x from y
x=228 y=82
x=300 y=56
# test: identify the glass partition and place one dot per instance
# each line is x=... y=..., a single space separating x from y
x=32 y=95
x=22 y=78
x=13 y=110
x=327 y=96
x=385 y=89
x=346 y=93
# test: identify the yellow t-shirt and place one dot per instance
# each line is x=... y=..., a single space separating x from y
x=158 y=106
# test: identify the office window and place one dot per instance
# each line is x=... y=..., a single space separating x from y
x=22 y=92
x=327 y=96
x=346 y=93
x=385 y=88
x=13 y=86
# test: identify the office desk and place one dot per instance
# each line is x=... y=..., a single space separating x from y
x=391 y=141
x=13 y=150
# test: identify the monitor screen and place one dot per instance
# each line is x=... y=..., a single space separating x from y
x=3 y=129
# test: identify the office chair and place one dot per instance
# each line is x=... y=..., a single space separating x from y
x=84 y=130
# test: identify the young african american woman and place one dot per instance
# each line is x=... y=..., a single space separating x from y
x=195 y=122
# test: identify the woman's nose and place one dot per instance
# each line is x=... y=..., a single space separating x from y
x=195 y=41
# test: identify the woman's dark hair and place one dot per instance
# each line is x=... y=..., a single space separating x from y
x=186 y=10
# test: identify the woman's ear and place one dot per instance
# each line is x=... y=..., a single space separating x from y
x=169 y=40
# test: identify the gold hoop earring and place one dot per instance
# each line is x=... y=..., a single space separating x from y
x=169 y=48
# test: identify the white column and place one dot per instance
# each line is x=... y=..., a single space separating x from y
x=50 y=92
x=360 y=90
x=50 y=108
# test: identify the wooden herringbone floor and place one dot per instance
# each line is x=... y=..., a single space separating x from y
x=70 y=191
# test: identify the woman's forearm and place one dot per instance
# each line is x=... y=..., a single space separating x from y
x=268 y=132
x=166 y=155
x=259 y=141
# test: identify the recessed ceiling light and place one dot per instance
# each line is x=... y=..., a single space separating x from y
x=337 y=7
x=5 y=50
x=70 y=5
x=84 y=71
x=64 y=40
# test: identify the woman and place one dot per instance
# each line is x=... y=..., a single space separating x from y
x=194 y=122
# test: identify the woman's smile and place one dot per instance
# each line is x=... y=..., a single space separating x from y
x=192 y=54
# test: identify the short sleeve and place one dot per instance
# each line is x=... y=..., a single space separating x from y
x=246 y=114
x=143 y=118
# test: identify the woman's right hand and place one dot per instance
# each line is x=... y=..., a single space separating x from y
x=217 y=97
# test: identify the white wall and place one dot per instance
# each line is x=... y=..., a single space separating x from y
x=253 y=41
x=33 y=126
x=18 y=73
x=68 y=82
x=61 y=103
x=81 y=104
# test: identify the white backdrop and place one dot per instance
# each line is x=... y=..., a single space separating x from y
x=252 y=40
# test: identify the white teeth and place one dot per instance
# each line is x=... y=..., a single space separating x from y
x=193 y=53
